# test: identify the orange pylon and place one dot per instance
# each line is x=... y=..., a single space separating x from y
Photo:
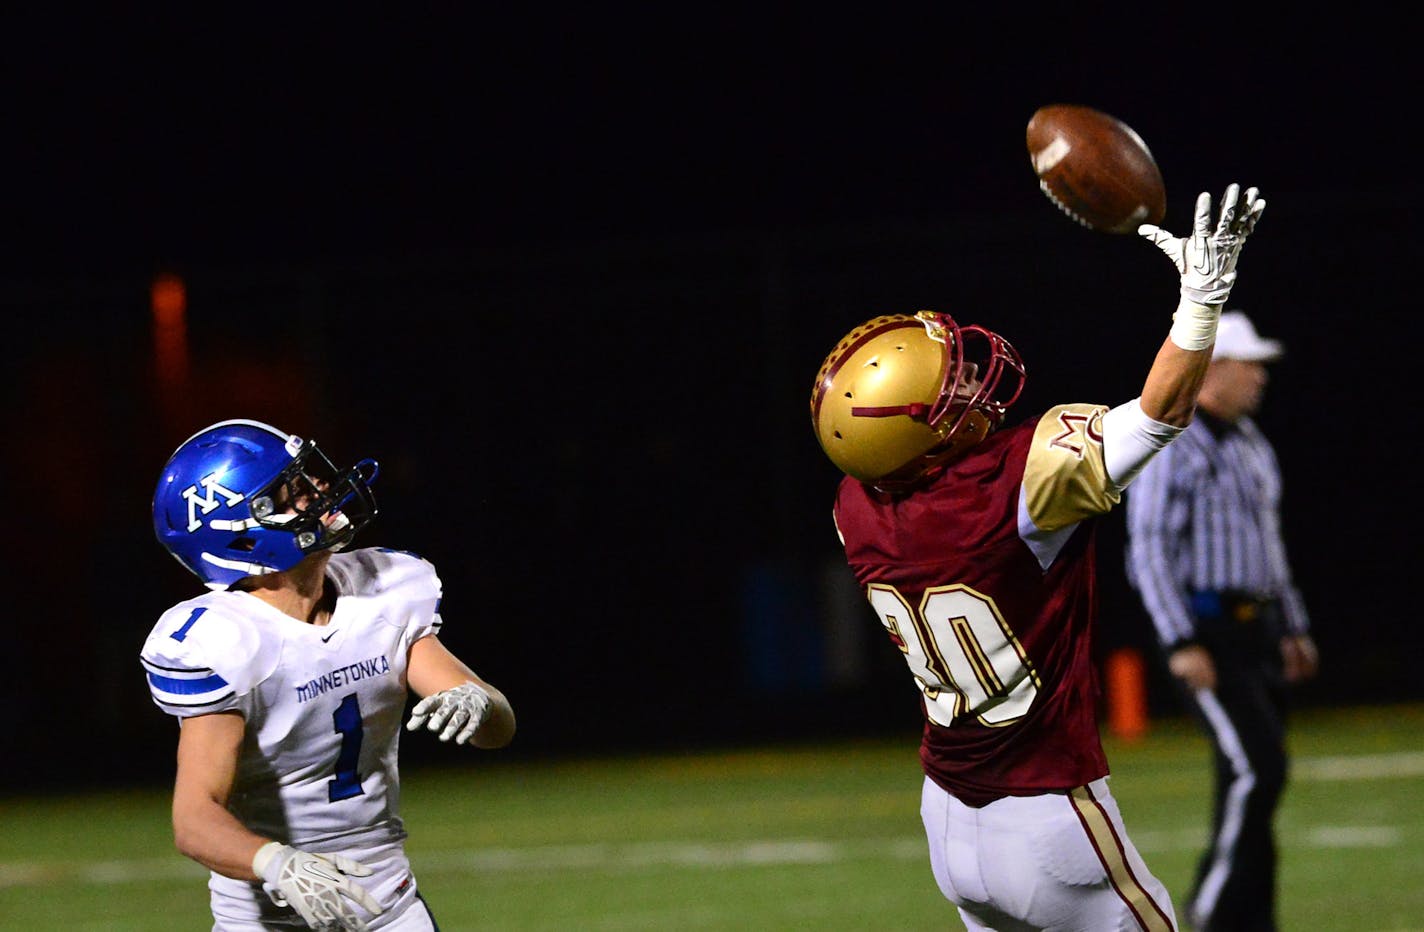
x=1126 y=694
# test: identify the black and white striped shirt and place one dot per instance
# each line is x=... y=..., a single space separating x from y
x=1204 y=515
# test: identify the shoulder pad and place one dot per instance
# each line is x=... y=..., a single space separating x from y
x=380 y=570
x=1065 y=477
x=202 y=656
x=406 y=581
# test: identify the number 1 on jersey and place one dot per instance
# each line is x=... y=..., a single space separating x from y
x=346 y=721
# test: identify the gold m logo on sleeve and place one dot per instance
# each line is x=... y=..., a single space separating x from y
x=209 y=501
x=1077 y=427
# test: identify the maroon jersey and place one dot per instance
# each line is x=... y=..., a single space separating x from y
x=984 y=579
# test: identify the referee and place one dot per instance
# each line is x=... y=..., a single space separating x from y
x=1204 y=551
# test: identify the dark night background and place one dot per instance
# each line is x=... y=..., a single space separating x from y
x=569 y=277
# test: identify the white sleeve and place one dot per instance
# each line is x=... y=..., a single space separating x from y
x=1130 y=439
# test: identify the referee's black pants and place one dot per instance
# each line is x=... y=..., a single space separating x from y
x=1245 y=717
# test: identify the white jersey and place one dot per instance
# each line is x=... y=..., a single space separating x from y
x=323 y=705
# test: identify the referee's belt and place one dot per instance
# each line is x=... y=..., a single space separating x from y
x=1234 y=604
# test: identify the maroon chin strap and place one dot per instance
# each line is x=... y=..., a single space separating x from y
x=918 y=409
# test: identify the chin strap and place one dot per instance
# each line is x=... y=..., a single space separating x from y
x=918 y=409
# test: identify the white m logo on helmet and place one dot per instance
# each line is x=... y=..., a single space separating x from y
x=211 y=491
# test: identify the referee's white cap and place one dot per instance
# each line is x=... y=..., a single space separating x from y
x=1236 y=338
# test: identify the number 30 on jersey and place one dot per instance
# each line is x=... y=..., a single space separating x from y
x=964 y=657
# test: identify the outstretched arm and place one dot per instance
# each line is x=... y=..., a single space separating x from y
x=1206 y=261
x=455 y=701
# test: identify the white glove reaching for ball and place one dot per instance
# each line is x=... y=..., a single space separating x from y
x=316 y=886
x=1207 y=258
x=458 y=711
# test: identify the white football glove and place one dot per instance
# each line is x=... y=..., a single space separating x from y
x=315 y=885
x=1207 y=258
x=458 y=710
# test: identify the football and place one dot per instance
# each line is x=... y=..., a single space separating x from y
x=1095 y=168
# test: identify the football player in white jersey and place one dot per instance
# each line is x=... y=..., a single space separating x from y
x=289 y=680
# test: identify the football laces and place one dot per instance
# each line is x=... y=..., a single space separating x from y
x=1043 y=185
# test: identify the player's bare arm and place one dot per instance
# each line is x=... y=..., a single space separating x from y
x=455 y=701
x=203 y=828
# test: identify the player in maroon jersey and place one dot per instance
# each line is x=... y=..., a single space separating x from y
x=974 y=546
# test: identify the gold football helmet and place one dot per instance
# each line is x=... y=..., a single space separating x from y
x=900 y=395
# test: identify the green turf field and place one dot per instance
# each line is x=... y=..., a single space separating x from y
x=758 y=839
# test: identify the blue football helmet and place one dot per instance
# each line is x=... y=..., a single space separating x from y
x=242 y=498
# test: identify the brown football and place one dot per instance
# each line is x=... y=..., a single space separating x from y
x=1095 y=168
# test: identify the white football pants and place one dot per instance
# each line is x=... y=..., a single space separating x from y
x=1058 y=861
